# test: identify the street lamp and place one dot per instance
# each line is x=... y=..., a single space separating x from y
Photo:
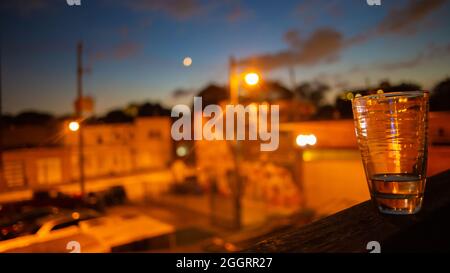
x=235 y=78
x=251 y=79
x=74 y=126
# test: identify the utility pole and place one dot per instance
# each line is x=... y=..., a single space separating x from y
x=236 y=178
x=79 y=110
x=292 y=79
x=2 y=181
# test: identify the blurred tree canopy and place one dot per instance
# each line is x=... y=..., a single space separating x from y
x=440 y=96
x=116 y=116
x=129 y=113
x=213 y=94
x=312 y=91
x=28 y=118
x=344 y=105
x=152 y=109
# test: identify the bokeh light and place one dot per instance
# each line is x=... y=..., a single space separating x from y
x=181 y=151
x=187 y=61
x=74 y=126
x=304 y=140
x=252 y=79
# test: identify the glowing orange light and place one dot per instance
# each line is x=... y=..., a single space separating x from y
x=252 y=78
x=75 y=215
x=74 y=126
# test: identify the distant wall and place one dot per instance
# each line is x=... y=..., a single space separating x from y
x=109 y=150
x=334 y=179
x=341 y=133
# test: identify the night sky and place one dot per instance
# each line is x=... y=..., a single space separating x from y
x=135 y=49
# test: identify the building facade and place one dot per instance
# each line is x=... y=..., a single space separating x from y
x=109 y=150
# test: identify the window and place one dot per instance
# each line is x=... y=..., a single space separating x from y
x=65 y=225
x=49 y=170
x=152 y=134
x=14 y=173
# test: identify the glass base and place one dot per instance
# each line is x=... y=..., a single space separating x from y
x=398 y=205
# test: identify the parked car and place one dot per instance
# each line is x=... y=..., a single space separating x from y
x=64 y=224
x=53 y=198
x=115 y=195
x=100 y=233
x=17 y=224
x=121 y=230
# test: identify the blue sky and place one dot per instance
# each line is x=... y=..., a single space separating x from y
x=135 y=48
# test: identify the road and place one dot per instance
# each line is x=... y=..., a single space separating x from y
x=180 y=221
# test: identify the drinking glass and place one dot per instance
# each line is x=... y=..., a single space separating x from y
x=391 y=129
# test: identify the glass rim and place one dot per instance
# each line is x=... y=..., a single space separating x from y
x=408 y=94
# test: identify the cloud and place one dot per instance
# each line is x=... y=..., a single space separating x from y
x=292 y=38
x=407 y=18
x=145 y=22
x=312 y=10
x=326 y=44
x=355 y=69
x=400 y=20
x=180 y=93
x=183 y=10
x=431 y=52
x=123 y=31
x=322 y=46
x=24 y=7
x=178 y=9
x=237 y=11
x=121 y=51
x=236 y=14
x=126 y=49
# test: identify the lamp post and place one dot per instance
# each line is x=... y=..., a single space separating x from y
x=1 y=127
x=234 y=100
x=251 y=79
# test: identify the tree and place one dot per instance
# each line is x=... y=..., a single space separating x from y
x=440 y=96
x=33 y=118
x=213 y=94
x=326 y=112
x=344 y=107
x=152 y=109
x=116 y=116
x=268 y=91
x=6 y=120
x=403 y=87
x=312 y=91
